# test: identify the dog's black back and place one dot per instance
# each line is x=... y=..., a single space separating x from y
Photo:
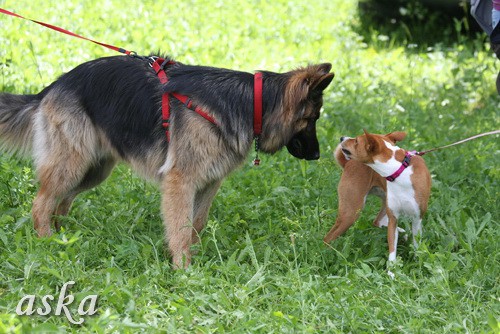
x=122 y=96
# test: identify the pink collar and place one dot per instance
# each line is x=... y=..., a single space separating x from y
x=404 y=165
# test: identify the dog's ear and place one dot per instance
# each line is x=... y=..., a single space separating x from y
x=324 y=68
x=320 y=76
x=323 y=82
x=371 y=142
x=396 y=136
x=304 y=80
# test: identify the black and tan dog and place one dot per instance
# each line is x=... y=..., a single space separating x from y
x=109 y=110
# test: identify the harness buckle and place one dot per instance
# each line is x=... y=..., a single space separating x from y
x=152 y=60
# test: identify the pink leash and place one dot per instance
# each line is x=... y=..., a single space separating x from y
x=409 y=154
x=456 y=143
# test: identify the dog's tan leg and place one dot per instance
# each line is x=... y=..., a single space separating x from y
x=349 y=210
x=202 y=204
x=93 y=177
x=64 y=149
x=392 y=235
x=56 y=181
x=177 y=206
x=342 y=224
x=392 y=239
x=43 y=208
x=381 y=219
x=63 y=209
x=352 y=194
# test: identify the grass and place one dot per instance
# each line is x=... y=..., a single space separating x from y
x=261 y=266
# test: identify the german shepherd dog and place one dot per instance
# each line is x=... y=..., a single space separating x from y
x=109 y=110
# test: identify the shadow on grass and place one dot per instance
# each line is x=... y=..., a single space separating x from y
x=419 y=24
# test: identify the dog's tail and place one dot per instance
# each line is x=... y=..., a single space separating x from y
x=339 y=156
x=16 y=122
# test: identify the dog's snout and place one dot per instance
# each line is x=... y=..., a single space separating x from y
x=342 y=139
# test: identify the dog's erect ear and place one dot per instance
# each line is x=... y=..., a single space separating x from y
x=320 y=77
x=324 y=81
x=371 y=142
x=304 y=80
x=324 y=68
x=396 y=136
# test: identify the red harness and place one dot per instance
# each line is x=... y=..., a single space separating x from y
x=159 y=67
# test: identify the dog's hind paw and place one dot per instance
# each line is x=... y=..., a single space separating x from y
x=391 y=274
x=402 y=230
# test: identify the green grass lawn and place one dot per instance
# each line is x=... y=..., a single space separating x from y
x=262 y=266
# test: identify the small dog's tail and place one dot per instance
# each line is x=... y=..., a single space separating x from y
x=339 y=156
x=16 y=122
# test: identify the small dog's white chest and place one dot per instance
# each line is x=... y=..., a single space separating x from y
x=401 y=195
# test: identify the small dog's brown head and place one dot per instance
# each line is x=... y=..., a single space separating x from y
x=366 y=147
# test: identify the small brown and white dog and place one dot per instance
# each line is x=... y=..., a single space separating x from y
x=373 y=164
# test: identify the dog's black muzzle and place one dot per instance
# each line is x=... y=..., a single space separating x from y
x=304 y=145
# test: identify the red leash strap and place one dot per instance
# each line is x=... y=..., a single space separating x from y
x=67 y=32
x=189 y=104
x=257 y=104
x=158 y=66
x=257 y=113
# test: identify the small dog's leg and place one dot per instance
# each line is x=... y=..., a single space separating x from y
x=202 y=204
x=384 y=221
x=381 y=219
x=392 y=240
x=392 y=236
x=351 y=202
x=342 y=224
x=416 y=230
x=177 y=207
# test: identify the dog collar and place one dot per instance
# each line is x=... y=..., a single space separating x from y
x=257 y=113
x=404 y=165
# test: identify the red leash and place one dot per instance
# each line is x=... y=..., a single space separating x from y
x=67 y=32
x=159 y=65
